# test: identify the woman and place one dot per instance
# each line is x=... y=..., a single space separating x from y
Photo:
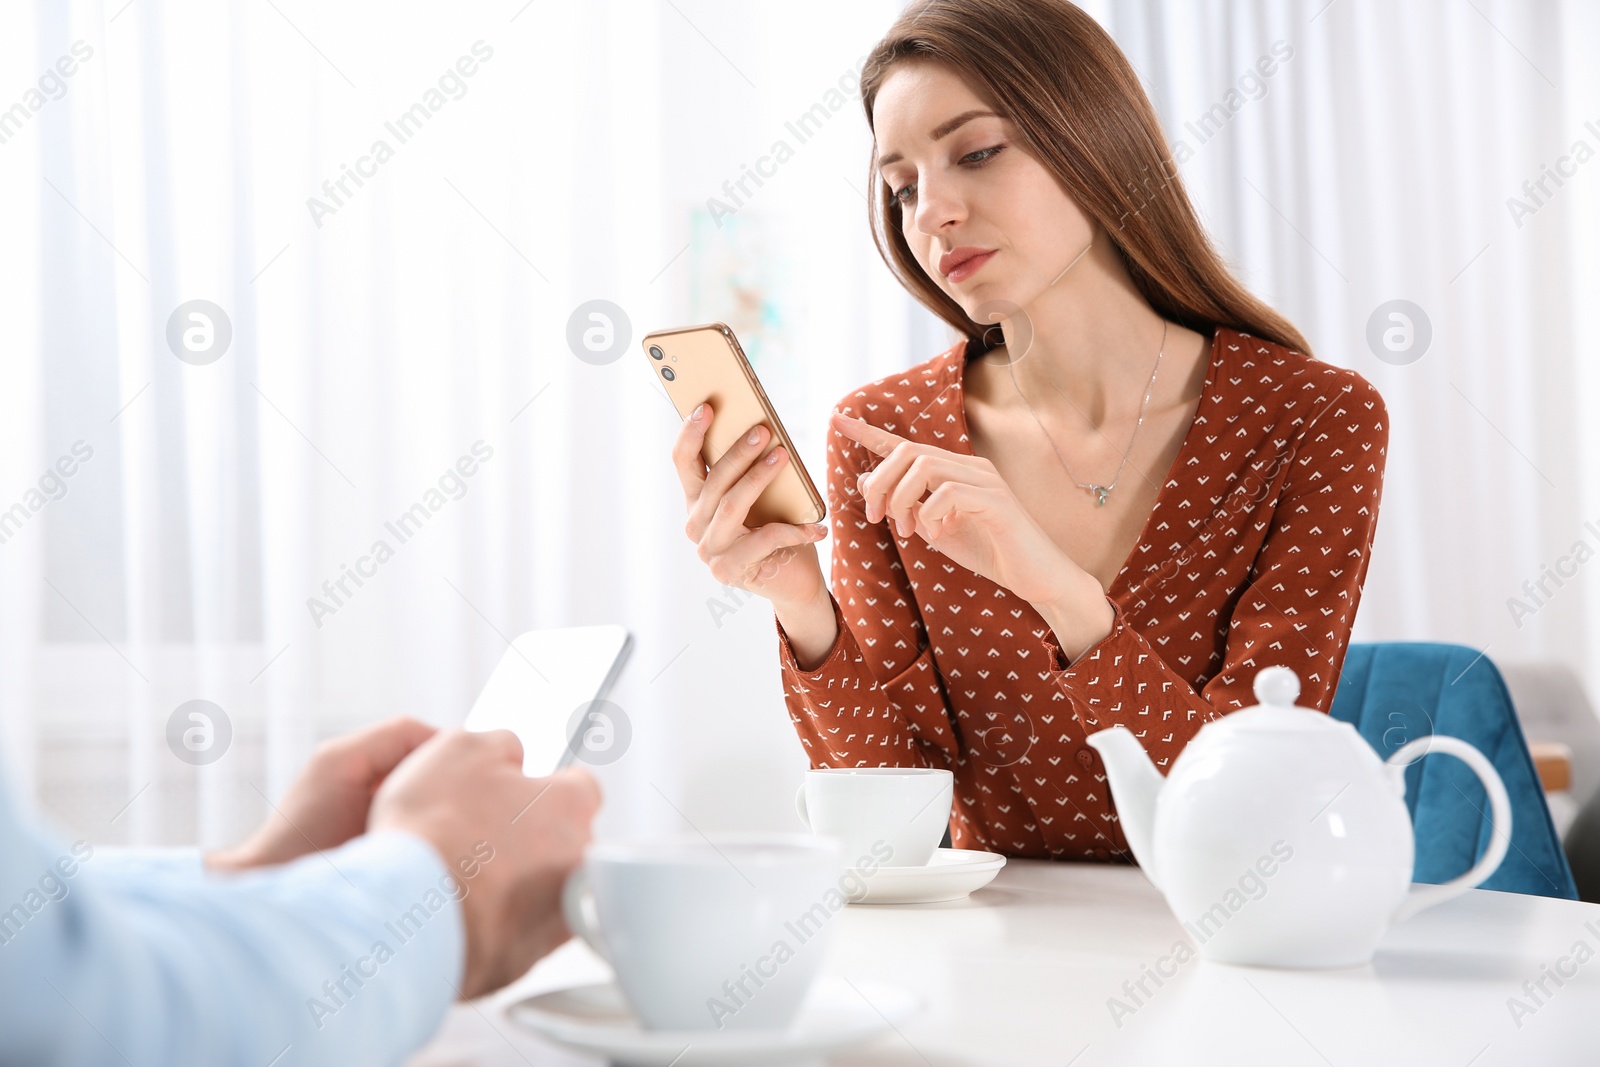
x=1114 y=505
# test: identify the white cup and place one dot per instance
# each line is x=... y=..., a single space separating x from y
x=906 y=809
x=725 y=932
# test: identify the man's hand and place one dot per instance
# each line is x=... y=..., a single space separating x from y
x=327 y=804
x=460 y=790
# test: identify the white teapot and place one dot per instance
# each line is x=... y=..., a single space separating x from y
x=1278 y=837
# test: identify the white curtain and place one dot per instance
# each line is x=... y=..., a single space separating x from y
x=1386 y=159
x=419 y=308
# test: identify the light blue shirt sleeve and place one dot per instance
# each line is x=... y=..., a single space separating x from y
x=348 y=956
x=177 y=860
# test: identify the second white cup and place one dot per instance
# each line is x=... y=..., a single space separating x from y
x=906 y=809
x=716 y=933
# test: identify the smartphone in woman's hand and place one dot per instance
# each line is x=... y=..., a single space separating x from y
x=704 y=364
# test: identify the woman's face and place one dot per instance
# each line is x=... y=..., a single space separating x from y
x=964 y=181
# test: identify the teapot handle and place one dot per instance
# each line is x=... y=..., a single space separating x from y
x=1423 y=897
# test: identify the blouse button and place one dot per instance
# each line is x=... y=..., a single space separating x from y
x=1085 y=758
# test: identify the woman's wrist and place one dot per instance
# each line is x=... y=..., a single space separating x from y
x=1080 y=618
x=811 y=628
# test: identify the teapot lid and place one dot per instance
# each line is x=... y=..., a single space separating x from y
x=1277 y=688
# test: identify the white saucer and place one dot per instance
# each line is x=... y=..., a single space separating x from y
x=951 y=874
x=596 y=1019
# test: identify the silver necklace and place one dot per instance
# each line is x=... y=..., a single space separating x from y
x=1101 y=492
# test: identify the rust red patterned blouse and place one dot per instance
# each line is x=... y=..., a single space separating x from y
x=1254 y=554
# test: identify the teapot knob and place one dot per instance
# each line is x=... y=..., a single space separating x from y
x=1278 y=686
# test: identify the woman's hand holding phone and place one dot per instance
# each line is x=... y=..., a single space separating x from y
x=778 y=560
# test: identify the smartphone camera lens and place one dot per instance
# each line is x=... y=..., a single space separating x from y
x=656 y=353
x=666 y=372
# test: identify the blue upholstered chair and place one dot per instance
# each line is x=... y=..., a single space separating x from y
x=1396 y=691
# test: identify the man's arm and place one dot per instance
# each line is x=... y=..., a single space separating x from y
x=348 y=956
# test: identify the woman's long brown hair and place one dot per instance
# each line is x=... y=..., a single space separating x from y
x=1059 y=78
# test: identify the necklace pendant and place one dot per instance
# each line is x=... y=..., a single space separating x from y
x=1100 y=493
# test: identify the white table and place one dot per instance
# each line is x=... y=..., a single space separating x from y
x=1022 y=972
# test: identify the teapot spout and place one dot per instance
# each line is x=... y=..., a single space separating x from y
x=1135 y=783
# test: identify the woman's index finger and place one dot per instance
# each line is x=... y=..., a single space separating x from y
x=875 y=438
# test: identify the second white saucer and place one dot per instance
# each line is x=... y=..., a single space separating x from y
x=837 y=1014
x=951 y=874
